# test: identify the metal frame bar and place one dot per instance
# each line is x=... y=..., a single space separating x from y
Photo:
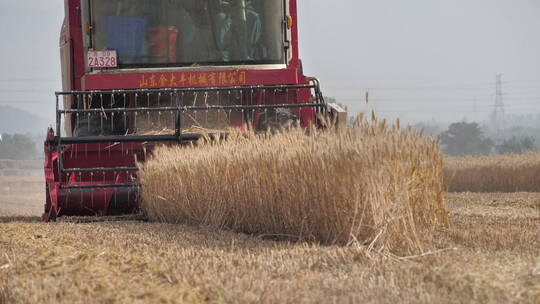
x=201 y=89
x=192 y=108
x=90 y=170
x=97 y=186
x=178 y=136
x=319 y=105
x=140 y=138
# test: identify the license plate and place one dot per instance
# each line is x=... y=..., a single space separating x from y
x=102 y=59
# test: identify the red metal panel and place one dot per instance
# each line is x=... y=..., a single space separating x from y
x=75 y=34
x=106 y=201
x=182 y=79
x=129 y=81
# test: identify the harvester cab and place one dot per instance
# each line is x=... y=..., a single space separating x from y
x=137 y=74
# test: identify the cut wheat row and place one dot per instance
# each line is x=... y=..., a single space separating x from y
x=373 y=184
x=496 y=173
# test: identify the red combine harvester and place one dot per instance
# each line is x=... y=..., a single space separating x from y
x=141 y=73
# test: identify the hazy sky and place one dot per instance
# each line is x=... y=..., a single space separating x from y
x=419 y=59
x=425 y=59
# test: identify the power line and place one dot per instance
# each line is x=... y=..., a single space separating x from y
x=435 y=100
x=11 y=80
x=10 y=102
x=28 y=91
x=477 y=86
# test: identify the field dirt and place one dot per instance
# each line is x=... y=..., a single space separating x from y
x=22 y=195
x=490 y=254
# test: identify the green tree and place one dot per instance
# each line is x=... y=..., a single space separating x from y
x=17 y=146
x=464 y=138
x=517 y=145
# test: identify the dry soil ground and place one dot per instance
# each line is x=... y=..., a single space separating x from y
x=490 y=254
x=22 y=196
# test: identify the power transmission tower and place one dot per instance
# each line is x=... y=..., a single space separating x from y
x=475 y=109
x=498 y=117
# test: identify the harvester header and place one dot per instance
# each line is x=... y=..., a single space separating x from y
x=141 y=73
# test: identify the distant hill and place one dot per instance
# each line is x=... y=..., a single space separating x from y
x=14 y=120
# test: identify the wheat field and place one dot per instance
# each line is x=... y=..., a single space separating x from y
x=373 y=184
x=497 y=173
x=489 y=254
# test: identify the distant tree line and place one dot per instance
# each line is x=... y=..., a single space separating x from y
x=460 y=139
x=464 y=138
x=17 y=147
